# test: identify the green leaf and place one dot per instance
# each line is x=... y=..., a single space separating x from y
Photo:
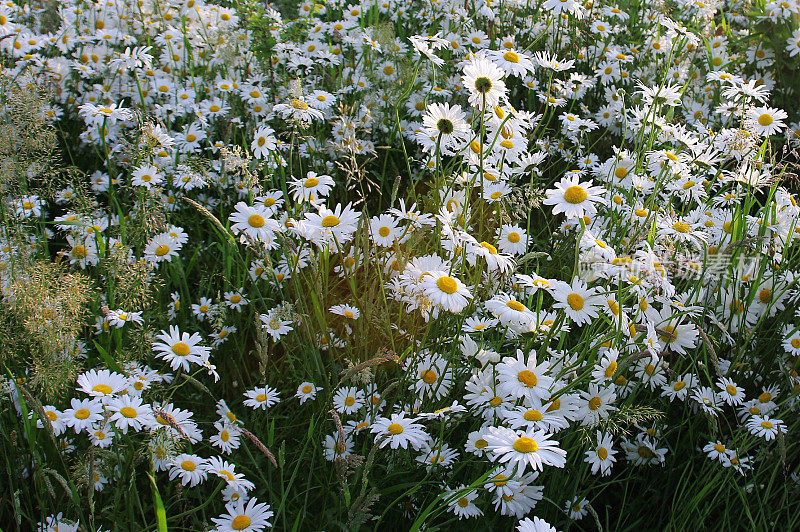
x=107 y=358
x=161 y=512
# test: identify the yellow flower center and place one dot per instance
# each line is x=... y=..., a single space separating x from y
x=306 y=389
x=511 y=57
x=681 y=227
x=766 y=424
x=532 y=415
x=525 y=445
x=678 y=386
x=330 y=221
x=611 y=369
x=105 y=389
x=602 y=453
x=181 y=349
x=447 y=284
x=489 y=247
x=575 y=301
x=79 y=252
x=516 y=305
x=765 y=295
x=128 y=412
x=527 y=377
x=765 y=119
x=350 y=401
x=384 y=231
x=188 y=465
x=256 y=220
x=595 y=403
x=395 y=428
x=575 y=194
x=83 y=413
x=428 y=376
x=240 y=522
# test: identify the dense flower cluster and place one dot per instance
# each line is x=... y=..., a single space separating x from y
x=589 y=243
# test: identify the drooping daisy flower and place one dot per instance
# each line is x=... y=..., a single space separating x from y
x=161 y=247
x=399 y=431
x=532 y=448
x=83 y=414
x=446 y=292
x=523 y=378
x=130 y=412
x=275 y=325
x=313 y=188
x=328 y=226
x=348 y=311
x=223 y=469
x=180 y=349
x=461 y=503
x=445 y=127
x=601 y=456
x=535 y=525
x=576 y=508
x=765 y=427
x=240 y=517
x=508 y=310
x=307 y=391
x=767 y=121
x=434 y=376
x=262 y=397
x=573 y=198
x=348 y=400
x=484 y=81
x=596 y=403
x=189 y=468
x=577 y=300
x=227 y=436
x=102 y=383
x=264 y=141
x=255 y=222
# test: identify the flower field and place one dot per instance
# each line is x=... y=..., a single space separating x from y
x=400 y=265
